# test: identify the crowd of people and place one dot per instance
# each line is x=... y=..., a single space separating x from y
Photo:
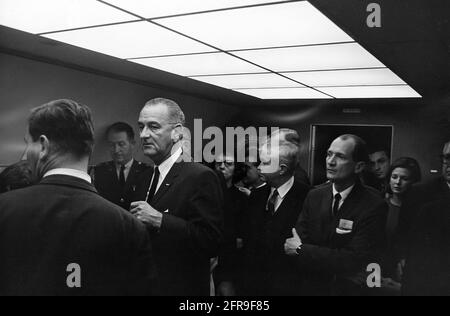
x=234 y=228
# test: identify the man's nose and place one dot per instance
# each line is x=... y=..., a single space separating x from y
x=331 y=160
x=145 y=133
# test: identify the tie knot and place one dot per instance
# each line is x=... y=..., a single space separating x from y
x=337 y=197
x=122 y=168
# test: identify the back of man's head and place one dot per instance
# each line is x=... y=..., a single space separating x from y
x=67 y=125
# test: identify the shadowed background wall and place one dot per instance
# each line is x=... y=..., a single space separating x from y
x=26 y=83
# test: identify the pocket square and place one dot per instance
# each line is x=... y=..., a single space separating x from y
x=166 y=211
x=342 y=231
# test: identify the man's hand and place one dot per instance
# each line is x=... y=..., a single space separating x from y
x=292 y=244
x=146 y=214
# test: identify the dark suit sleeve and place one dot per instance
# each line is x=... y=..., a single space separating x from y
x=204 y=228
x=140 y=263
x=302 y=224
x=362 y=248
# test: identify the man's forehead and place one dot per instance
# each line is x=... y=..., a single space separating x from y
x=378 y=155
x=116 y=136
x=342 y=146
x=154 y=113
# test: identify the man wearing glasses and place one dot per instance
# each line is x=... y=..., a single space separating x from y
x=180 y=202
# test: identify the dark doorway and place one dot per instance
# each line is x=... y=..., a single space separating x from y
x=376 y=136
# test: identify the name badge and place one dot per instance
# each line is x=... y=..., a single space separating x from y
x=346 y=224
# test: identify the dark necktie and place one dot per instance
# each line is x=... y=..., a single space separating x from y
x=272 y=202
x=153 y=185
x=122 y=180
x=337 y=200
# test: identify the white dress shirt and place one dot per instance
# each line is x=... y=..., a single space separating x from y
x=164 y=168
x=69 y=172
x=282 y=192
x=344 y=195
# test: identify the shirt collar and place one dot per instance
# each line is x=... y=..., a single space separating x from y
x=165 y=167
x=69 y=172
x=285 y=188
x=127 y=166
x=344 y=194
x=260 y=186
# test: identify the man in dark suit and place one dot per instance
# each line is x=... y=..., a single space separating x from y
x=273 y=211
x=341 y=227
x=60 y=237
x=180 y=202
x=116 y=180
x=425 y=239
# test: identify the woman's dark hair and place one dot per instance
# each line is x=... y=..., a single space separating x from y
x=409 y=164
x=15 y=177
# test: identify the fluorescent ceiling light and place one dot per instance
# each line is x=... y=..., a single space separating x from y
x=288 y=24
x=326 y=57
x=201 y=64
x=249 y=81
x=372 y=92
x=131 y=40
x=290 y=93
x=159 y=8
x=39 y=16
x=347 y=77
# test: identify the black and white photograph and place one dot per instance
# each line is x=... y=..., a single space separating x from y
x=224 y=153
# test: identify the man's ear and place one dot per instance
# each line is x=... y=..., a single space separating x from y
x=177 y=133
x=45 y=147
x=360 y=166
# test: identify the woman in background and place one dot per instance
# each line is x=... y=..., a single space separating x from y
x=227 y=273
x=404 y=172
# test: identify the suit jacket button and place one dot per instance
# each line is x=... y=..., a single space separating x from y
x=122 y=200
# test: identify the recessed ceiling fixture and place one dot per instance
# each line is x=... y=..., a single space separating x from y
x=268 y=49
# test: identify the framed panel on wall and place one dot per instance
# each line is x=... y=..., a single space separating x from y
x=322 y=135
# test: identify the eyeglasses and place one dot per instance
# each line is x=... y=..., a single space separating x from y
x=445 y=159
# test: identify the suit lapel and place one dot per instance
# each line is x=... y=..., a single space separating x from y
x=287 y=202
x=168 y=182
x=131 y=175
x=350 y=203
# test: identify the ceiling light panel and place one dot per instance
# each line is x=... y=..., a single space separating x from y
x=324 y=57
x=131 y=40
x=200 y=64
x=278 y=94
x=160 y=8
x=347 y=77
x=287 y=24
x=40 y=16
x=372 y=92
x=249 y=81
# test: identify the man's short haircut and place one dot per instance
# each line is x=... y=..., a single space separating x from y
x=360 y=152
x=176 y=115
x=15 y=177
x=374 y=150
x=289 y=155
x=67 y=124
x=121 y=127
